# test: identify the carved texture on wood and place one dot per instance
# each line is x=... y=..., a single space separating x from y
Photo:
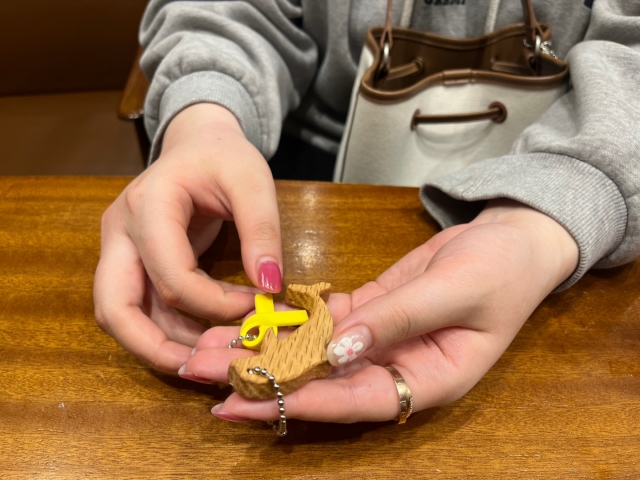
x=294 y=360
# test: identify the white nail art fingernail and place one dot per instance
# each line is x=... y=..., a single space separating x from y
x=183 y=369
x=350 y=346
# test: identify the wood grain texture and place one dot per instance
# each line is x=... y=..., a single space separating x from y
x=293 y=361
x=562 y=402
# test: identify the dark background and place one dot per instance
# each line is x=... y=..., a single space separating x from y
x=63 y=67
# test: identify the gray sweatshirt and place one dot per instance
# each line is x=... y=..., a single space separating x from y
x=293 y=63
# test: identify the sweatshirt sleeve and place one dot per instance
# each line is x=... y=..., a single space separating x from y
x=580 y=162
x=249 y=56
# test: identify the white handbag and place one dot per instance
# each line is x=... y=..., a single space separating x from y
x=424 y=105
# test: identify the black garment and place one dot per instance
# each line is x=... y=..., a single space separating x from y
x=298 y=160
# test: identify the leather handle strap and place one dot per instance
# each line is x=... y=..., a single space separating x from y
x=387 y=32
x=528 y=16
x=496 y=112
x=530 y=21
x=533 y=34
x=386 y=42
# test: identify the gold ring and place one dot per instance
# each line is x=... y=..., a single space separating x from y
x=404 y=395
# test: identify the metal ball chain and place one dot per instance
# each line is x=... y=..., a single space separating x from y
x=281 y=429
x=240 y=338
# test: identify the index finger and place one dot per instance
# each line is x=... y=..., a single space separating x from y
x=160 y=234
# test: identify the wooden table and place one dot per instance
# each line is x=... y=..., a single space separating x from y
x=563 y=401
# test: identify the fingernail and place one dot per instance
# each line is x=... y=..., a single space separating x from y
x=193 y=352
x=190 y=376
x=270 y=277
x=215 y=411
x=349 y=346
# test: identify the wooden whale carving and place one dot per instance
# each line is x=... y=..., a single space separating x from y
x=294 y=360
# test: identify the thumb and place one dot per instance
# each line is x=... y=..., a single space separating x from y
x=417 y=307
x=255 y=212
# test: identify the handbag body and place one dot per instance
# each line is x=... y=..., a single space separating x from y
x=425 y=105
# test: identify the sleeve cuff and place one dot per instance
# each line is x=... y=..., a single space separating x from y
x=206 y=87
x=580 y=197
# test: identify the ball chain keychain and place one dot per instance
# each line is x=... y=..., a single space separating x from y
x=281 y=429
x=287 y=363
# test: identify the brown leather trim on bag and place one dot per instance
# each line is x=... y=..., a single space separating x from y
x=496 y=112
x=439 y=52
x=452 y=43
x=510 y=67
x=406 y=69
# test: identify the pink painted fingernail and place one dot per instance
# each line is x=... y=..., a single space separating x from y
x=195 y=378
x=270 y=277
x=215 y=411
x=190 y=376
x=349 y=346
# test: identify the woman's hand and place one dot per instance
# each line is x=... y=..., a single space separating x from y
x=442 y=316
x=154 y=232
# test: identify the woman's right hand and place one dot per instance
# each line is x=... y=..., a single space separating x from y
x=154 y=232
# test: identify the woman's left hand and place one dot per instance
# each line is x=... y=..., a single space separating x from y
x=442 y=316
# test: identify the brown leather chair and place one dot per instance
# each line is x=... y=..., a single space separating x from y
x=132 y=103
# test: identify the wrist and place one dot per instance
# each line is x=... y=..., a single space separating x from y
x=553 y=246
x=201 y=122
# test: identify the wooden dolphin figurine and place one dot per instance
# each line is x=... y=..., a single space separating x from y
x=294 y=360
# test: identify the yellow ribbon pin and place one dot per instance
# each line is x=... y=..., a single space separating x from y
x=266 y=317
